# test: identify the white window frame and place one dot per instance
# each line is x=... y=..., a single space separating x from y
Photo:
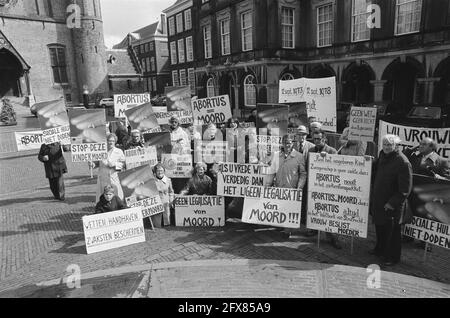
x=210 y=87
x=327 y=22
x=175 y=78
x=173 y=53
x=191 y=79
x=285 y=26
x=207 y=41
x=247 y=28
x=181 y=51
x=360 y=30
x=183 y=78
x=225 y=37
x=189 y=49
x=410 y=14
x=179 y=19
x=172 y=26
x=187 y=20
x=250 y=88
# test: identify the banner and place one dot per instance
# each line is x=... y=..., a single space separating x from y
x=211 y=110
x=362 y=123
x=28 y=140
x=411 y=136
x=234 y=178
x=142 y=118
x=122 y=102
x=140 y=190
x=319 y=95
x=88 y=135
x=177 y=166
x=111 y=230
x=54 y=121
x=199 y=211
x=338 y=194
x=178 y=98
x=428 y=231
x=140 y=157
x=273 y=207
x=272 y=119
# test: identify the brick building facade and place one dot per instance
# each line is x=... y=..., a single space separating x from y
x=243 y=48
x=41 y=56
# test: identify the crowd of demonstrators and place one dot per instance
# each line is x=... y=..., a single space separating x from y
x=55 y=168
x=392 y=175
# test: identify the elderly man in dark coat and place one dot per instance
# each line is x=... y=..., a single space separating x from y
x=55 y=166
x=391 y=188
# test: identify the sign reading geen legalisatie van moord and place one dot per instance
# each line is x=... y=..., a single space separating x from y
x=111 y=230
x=199 y=211
x=338 y=194
x=122 y=102
x=209 y=110
x=280 y=207
x=233 y=178
x=429 y=231
x=411 y=136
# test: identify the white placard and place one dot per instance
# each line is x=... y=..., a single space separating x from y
x=177 y=166
x=122 y=102
x=233 y=178
x=28 y=140
x=215 y=110
x=106 y=231
x=362 y=123
x=140 y=157
x=428 y=231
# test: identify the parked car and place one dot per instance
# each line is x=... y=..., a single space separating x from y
x=422 y=115
x=106 y=102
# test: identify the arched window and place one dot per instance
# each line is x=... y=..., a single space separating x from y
x=210 y=87
x=287 y=77
x=249 y=91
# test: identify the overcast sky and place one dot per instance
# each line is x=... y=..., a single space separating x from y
x=121 y=17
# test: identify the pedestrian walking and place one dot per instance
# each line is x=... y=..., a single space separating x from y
x=55 y=167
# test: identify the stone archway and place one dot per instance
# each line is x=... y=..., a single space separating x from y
x=322 y=70
x=442 y=89
x=356 y=83
x=11 y=71
x=401 y=77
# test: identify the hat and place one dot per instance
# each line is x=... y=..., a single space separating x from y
x=301 y=130
x=108 y=189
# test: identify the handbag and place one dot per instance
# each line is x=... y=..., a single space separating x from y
x=407 y=216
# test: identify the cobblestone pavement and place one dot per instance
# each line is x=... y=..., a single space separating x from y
x=40 y=237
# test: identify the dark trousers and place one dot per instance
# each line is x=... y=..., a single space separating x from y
x=57 y=187
x=389 y=240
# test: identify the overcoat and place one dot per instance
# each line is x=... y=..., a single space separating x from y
x=56 y=165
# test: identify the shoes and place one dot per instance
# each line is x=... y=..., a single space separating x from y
x=311 y=233
x=335 y=244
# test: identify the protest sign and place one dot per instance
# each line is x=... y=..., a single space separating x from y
x=362 y=123
x=28 y=140
x=88 y=134
x=106 y=231
x=428 y=231
x=140 y=190
x=297 y=115
x=233 y=178
x=199 y=211
x=178 y=98
x=177 y=166
x=272 y=119
x=272 y=206
x=338 y=194
x=411 y=136
x=209 y=110
x=140 y=156
x=267 y=146
x=54 y=121
x=319 y=95
x=208 y=151
x=122 y=102
x=142 y=118
x=184 y=116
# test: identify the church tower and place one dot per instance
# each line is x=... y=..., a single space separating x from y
x=90 y=51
